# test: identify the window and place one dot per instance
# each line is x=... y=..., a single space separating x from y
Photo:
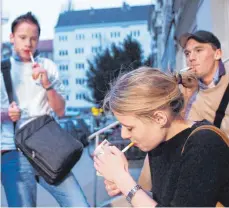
x=65 y=82
x=67 y=97
x=115 y=34
x=63 y=38
x=96 y=49
x=63 y=52
x=63 y=67
x=79 y=65
x=80 y=96
x=135 y=33
x=96 y=35
x=81 y=81
x=79 y=50
x=80 y=36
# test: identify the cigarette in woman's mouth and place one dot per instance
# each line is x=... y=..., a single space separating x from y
x=127 y=147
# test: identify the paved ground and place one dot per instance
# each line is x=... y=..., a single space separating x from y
x=85 y=174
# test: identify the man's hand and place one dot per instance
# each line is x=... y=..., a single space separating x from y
x=40 y=73
x=14 y=112
x=55 y=100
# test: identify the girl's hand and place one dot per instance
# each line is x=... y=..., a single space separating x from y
x=111 y=188
x=112 y=164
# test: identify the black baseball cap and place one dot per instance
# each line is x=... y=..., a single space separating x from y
x=201 y=36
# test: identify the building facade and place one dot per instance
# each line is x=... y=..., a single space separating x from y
x=161 y=27
x=181 y=16
x=45 y=48
x=155 y=29
x=81 y=35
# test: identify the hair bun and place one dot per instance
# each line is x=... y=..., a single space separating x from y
x=187 y=79
x=178 y=78
x=177 y=104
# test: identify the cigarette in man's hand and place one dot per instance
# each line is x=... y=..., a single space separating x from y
x=31 y=57
x=127 y=147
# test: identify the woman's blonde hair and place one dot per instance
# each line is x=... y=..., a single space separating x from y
x=144 y=90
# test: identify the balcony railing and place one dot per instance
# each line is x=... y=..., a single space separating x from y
x=101 y=131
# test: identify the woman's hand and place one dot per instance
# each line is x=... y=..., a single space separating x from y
x=112 y=164
x=111 y=188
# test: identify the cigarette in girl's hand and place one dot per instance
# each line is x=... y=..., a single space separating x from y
x=185 y=69
x=31 y=57
x=128 y=146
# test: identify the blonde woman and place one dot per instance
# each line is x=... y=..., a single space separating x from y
x=148 y=104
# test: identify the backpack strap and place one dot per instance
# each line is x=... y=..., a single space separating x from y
x=212 y=128
x=220 y=113
x=5 y=68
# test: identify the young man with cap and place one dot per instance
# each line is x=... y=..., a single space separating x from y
x=203 y=54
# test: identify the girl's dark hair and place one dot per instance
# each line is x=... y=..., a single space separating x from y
x=28 y=17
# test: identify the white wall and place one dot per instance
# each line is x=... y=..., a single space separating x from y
x=220 y=26
x=204 y=16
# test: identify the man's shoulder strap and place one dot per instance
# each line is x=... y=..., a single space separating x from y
x=212 y=128
x=5 y=68
x=220 y=113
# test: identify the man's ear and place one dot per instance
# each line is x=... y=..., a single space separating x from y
x=218 y=54
x=160 y=118
x=12 y=38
